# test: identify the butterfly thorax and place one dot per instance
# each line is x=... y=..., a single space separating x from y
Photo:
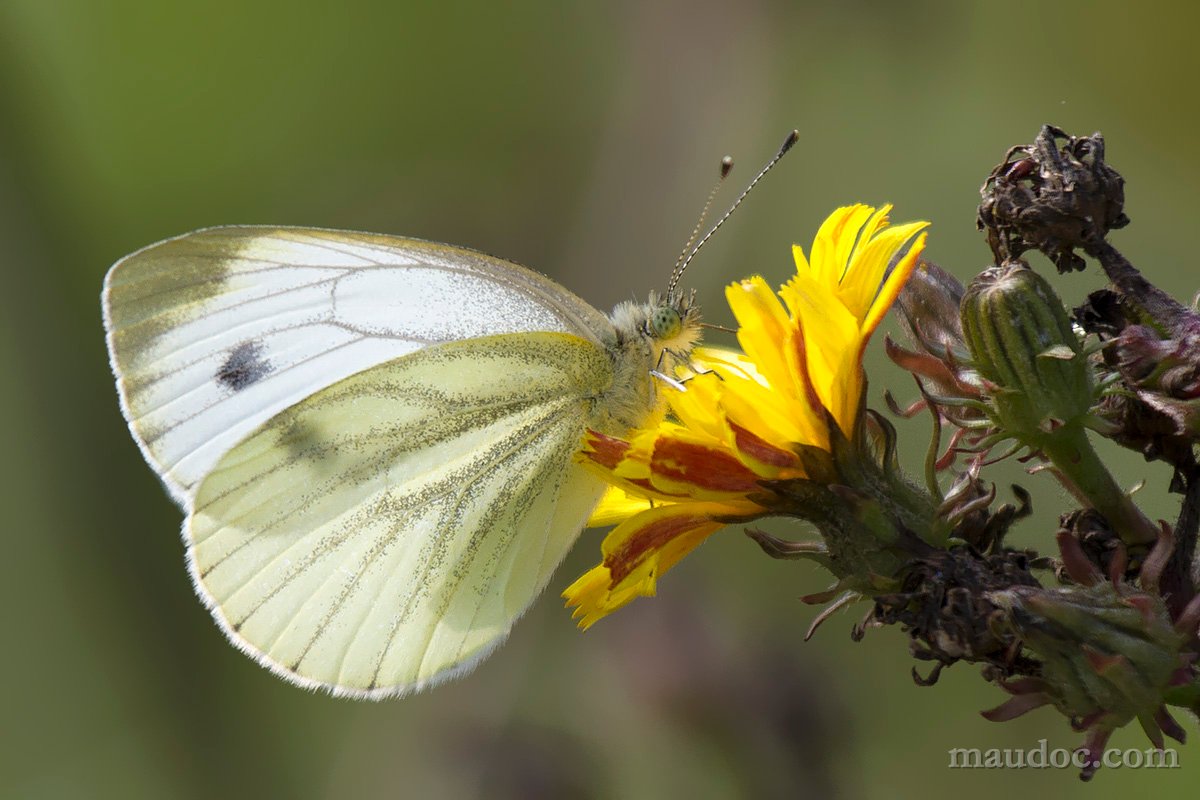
x=652 y=337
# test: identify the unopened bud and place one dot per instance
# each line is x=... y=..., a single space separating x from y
x=1022 y=342
x=1109 y=654
x=1041 y=389
x=928 y=306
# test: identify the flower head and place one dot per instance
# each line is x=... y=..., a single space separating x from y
x=742 y=419
x=1110 y=652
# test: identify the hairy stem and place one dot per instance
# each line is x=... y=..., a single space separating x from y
x=1072 y=454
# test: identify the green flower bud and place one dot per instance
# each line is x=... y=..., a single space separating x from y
x=1039 y=385
x=1022 y=342
x=1109 y=655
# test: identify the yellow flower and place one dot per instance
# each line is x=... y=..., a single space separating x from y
x=741 y=419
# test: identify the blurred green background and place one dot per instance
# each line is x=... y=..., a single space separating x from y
x=579 y=138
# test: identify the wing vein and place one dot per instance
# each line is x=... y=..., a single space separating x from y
x=509 y=452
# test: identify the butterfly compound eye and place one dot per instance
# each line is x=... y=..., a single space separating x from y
x=665 y=322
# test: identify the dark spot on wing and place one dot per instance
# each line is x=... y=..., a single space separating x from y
x=244 y=366
x=304 y=440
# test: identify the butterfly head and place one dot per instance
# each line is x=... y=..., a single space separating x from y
x=673 y=319
x=672 y=327
x=669 y=325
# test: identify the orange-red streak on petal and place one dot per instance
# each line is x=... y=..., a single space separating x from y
x=605 y=450
x=761 y=450
x=800 y=353
x=700 y=466
x=651 y=539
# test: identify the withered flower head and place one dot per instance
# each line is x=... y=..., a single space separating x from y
x=1056 y=195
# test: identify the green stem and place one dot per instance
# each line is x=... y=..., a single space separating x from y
x=918 y=510
x=1072 y=454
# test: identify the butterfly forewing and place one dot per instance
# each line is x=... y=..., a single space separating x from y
x=387 y=531
x=212 y=333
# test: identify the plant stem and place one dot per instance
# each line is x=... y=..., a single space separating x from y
x=1072 y=454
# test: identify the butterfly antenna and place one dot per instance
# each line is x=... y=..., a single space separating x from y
x=682 y=264
x=726 y=168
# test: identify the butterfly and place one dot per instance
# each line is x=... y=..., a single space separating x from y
x=373 y=438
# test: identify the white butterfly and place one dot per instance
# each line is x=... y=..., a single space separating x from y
x=372 y=437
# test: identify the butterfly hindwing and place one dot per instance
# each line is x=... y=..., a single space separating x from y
x=386 y=531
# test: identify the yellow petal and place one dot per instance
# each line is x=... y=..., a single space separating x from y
x=698 y=406
x=835 y=241
x=640 y=550
x=616 y=506
x=775 y=417
x=891 y=288
x=829 y=332
x=802 y=264
x=870 y=263
x=707 y=359
x=762 y=322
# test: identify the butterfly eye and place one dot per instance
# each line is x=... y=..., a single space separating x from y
x=665 y=322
